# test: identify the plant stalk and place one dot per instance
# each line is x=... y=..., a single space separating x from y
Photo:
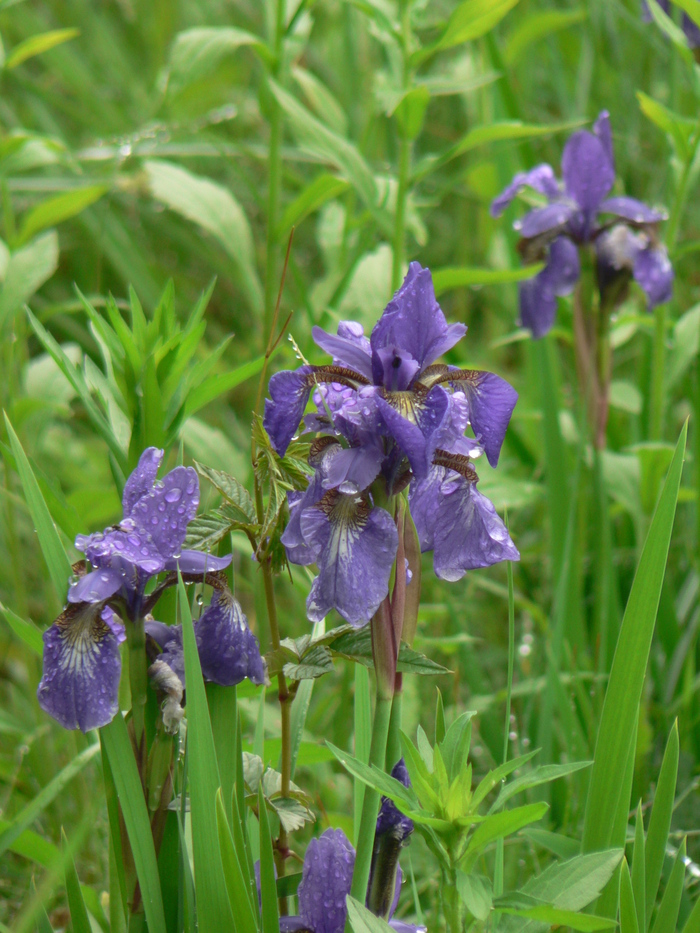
x=138 y=682
x=657 y=402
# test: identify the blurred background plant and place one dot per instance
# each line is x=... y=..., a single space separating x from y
x=143 y=143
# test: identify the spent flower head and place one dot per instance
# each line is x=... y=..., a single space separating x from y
x=578 y=214
x=388 y=416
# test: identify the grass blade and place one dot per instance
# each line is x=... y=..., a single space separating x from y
x=660 y=820
x=620 y=709
x=238 y=894
x=78 y=911
x=268 y=888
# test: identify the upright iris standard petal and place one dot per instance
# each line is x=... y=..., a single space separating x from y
x=326 y=881
x=141 y=481
x=468 y=531
x=541 y=178
x=588 y=170
x=289 y=395
x=349 y=347
x=413 y=322
x=356 y=545
x=491 y=403
x=228 y=650
x=82 y=667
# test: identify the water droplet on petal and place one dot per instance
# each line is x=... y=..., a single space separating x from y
x=173 y=495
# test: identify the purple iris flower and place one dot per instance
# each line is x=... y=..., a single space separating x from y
x=571 y=219
x=82 y=662
x=386 y=412
x=326 y=882
x=228 y=650
x=690 y=29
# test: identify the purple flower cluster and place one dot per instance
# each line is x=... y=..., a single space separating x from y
x=82 y=661
x=388 y=416
x=578 y=213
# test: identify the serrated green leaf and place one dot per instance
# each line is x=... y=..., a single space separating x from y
x=315 y=663
x=205 y=531
x=36 y=45
x=235 y=493
x=621 y=705
x=356 y=644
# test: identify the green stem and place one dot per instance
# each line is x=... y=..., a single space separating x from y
x=138 y=682
x=656 y=408
x=370 y=805
x=393 y=745
x=681 y=192
x=275 y=176
x=451 y=903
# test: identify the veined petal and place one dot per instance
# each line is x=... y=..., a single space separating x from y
x=349 y=347
x=424 y=498
x=355 y=546
x=82 y=667
x=545 y=219
x=299 y=551
x=538 y=296
x=653 y=272
x=352 y=469
x=414 y=419
x=541 y=178
x=468 y=531
x=228 y=650
x=141 y=481
x=289 y=393
x=326 y=881
x=197 y=562
x=491 y=403
x=95 y=587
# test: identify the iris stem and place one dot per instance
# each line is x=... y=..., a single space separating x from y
x=370 y=805
x=393 y=745
x=657 y=402
x=138 y=682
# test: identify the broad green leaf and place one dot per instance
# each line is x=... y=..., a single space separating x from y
x=215 y=209
x=46 y=795
x=667 y=916
x=332 y=148
x=679 y=129
x=504 y=824
x=32 y=846
x=36 y=45
x=508 y=129
x=362 y=920
x=562 y=846
x=26 y=630
x=27 y=270
x=555 y=916
x=470 y=20
x=628 y=909
x=47 y=534
x=213 y=910
x=321 y=101
x=569 y=885
x=410 y=113
x=80 y=921
x=55 y=210
x=536 y=26
x=541 y=775
x=323 y=188
x=122 y=764
x=625 y=396
x=238 y=893
x=197 y=52
x=660 y=820
x=444 y=280
x=476 y=894
x=379 y=780
x=621 y=705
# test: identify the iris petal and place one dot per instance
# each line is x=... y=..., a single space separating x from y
x=228 y=650
x=541 y=178
x=414 y=421
x=491 y=403
x=289 y=394
x=142 y=479
x=356 y=546
x=326 y=881
x=82 y=667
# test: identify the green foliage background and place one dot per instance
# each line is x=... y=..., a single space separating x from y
x=127 y=161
